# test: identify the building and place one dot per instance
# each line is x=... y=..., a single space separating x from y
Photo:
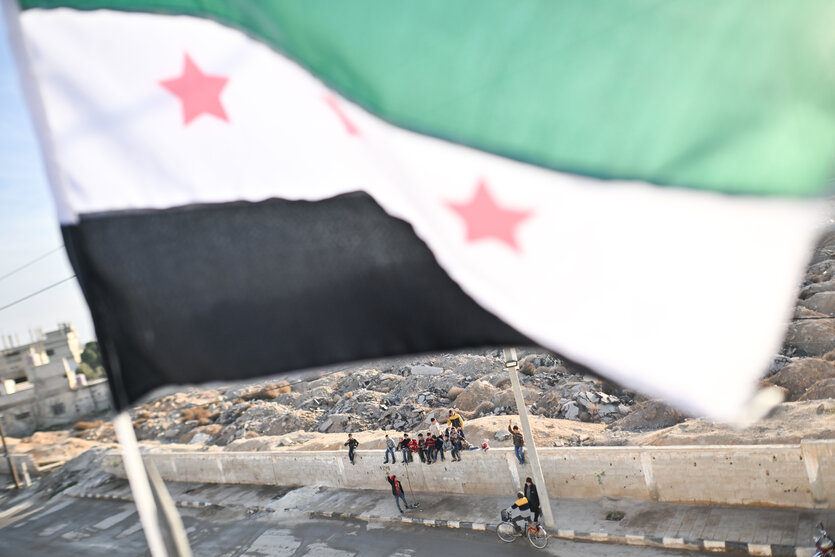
x=39 y=386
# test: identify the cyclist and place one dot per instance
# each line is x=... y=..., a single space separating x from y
x=519 y=511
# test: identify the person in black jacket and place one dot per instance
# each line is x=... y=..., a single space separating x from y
x=397 y=491
x=533 y=498
x=351 y=443
x=404 y=448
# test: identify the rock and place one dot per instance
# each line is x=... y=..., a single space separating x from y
x=501 y=381
x=822 y=271
x=505 y=399
x=800 y=375
x=820 y=390
x=203 y=432
x=822 y=302
x=607 y=409
x=814 y=337
x=815 y=288
x=527 y=368
x=502 y=435
x=475 y=393
x=649 y=415
x=265 y=393
x=426 y=370
x=453 y=393
x=199 y=439
x=324 y=426
x=570 y=411
x=485 y=407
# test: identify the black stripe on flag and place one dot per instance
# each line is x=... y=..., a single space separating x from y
x=234 y=291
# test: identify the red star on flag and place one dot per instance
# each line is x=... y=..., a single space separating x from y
x=349 y=125
x=484 y=218
x=198 y=92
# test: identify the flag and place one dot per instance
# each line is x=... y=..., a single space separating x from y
x=251 y=188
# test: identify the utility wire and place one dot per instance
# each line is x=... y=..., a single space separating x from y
x=44 y=289
x=10 y=273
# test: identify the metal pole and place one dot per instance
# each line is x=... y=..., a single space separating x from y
x=8 y=456
x=512 y=366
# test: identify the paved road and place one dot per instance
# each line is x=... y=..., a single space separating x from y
x=95 y=528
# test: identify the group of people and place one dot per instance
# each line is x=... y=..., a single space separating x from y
x=434 y=445
x=437 y=442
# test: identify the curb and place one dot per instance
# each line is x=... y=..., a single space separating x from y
x=769 y=550
x=181 y=504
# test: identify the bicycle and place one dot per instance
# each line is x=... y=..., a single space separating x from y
x=507 y=532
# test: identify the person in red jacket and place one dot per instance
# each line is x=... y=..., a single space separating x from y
x=429 y=448
x=397 y=491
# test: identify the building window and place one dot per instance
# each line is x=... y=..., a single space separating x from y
x=58 y=409
x=22 y=416
x=50 y=352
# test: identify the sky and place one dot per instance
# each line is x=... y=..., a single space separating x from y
x=29 y=225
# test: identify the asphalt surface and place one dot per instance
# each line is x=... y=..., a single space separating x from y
x=71 y=526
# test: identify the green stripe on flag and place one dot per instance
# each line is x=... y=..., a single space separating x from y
x=737 y=97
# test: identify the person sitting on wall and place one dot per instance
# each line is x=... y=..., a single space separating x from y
x=389 y=450
x=351 y=443
x=518 y=442
x=405 y=448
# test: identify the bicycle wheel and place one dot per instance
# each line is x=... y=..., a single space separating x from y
x=538 y=537
x=506 y=532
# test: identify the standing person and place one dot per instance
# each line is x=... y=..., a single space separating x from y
x=435 y=428
x=389 y=449
x=455 y=420
x=351 y=443
x=518 y=442
x=405 y=450
x=397 y=491
x=533 y=498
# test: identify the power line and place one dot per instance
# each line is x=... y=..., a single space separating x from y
x=53 y=285
x=50 y=252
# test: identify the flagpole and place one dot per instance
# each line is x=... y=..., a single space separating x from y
x=139 y=485
x=512 y=366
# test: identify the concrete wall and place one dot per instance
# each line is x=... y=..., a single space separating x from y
x=782 y=475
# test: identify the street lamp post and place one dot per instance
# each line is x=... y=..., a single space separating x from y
x=512 y=366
